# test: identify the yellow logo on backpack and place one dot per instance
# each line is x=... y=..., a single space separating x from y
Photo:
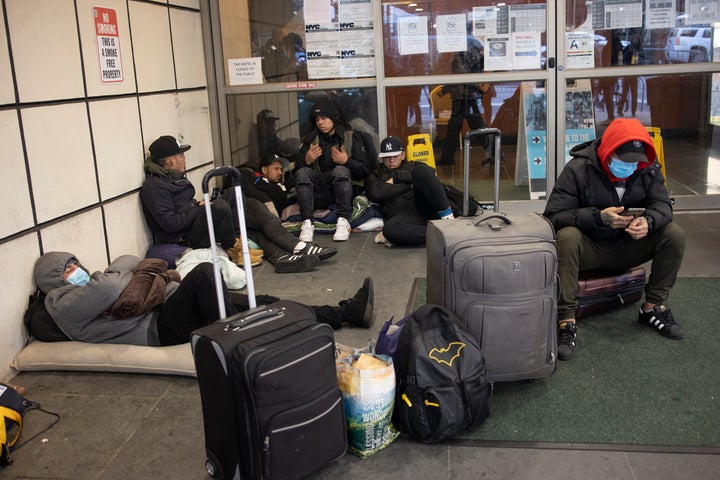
x=448 y=354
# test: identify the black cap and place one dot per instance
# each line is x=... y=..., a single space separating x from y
x=632 y=151
x=271 y=157
x=325 y=108
x=390 y=147
x=166 y=146
x=266 y=114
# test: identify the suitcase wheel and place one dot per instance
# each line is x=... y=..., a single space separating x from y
x=211 y=468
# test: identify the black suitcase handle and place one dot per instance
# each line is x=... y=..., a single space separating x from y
x=237 y=177
x=263 y=314
x=481 y=132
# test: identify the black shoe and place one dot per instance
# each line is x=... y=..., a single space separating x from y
x=662 y=320
x=323 y=253
x=358 y=310
x=566 y=340
x=296 y=263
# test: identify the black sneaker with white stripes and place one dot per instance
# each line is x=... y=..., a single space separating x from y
x=323 y=253
x=296 y=263
x=567 y=333
x=661 y=319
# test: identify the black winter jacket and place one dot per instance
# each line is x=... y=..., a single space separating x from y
x=255 y=186
x=169 y=205
x=390 y=195
x=584 y=189
x=359 y=155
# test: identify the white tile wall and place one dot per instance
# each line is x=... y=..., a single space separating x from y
x=194 y=115
x=186 y=3
x=81 y=235
x=14 y=193
x=126 y=229
x=188 y=49
x=61 y=159
x=151 y=42
x=81 y=152
x=118 y=145
x=17 y=258
x=159 y=114
x=7 y=87
x=185 y=116
x=46 y=52
x=95 y=85
x=196 y=177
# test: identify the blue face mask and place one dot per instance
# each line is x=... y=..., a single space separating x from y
x=79 y=277
x=621 y=169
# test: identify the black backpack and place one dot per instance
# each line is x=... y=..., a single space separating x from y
x=442 y=387
x=455 y=199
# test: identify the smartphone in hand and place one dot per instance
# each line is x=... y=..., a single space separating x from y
x=633 y=212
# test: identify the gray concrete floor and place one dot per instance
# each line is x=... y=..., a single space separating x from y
x=150 y=426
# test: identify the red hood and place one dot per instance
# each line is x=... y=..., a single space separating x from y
x=619 y=132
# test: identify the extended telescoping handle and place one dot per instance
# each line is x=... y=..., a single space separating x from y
x=235 y=173
x=495 y=134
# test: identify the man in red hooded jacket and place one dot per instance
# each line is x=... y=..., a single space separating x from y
x=589 y=208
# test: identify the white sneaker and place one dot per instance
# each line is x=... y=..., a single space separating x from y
x=342 y=230
x=307 y=231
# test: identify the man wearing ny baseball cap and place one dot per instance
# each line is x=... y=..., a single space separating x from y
x=611 y=210
x=409 y=194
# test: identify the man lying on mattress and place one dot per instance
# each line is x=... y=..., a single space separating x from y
x=138 y=301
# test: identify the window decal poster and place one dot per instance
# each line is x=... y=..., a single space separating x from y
x=579 y=115
x=533 y=143
x=342 y=47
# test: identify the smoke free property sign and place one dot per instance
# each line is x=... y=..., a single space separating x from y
x=108 y=44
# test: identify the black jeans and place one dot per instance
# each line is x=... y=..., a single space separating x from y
x=320 y=190
x=199 y=237
x=263 y=227
x=407 y=223
x=193 y=305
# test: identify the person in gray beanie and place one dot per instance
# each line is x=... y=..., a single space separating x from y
x=82 y=304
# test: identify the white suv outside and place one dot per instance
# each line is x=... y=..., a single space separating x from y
x=691 y=44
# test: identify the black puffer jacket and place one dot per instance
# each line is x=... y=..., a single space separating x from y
x=169 y=204
x=391 y=195
x=584 y=189
x=360 y=155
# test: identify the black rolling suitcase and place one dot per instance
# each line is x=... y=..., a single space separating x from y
x=498 y=273
x=271 y=404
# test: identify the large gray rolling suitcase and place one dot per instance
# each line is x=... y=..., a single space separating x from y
x=271 y=404
x=498 y=273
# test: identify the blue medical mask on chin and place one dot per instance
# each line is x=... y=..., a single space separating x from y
x=79 y=277
x=621 y=169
